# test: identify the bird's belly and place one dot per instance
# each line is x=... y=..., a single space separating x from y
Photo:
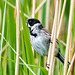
x=40 y=45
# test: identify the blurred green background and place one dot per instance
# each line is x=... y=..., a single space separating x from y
x=8 y=30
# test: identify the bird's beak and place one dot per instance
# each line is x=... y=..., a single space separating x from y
x=26 y=22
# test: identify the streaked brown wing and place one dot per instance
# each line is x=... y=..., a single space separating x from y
x=46 y=32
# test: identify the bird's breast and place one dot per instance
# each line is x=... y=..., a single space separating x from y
x=40 y=44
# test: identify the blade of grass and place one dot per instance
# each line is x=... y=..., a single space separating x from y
x=16 y=53
x=29 y=52
x=24 y=55
x=40 y=64
x=43 y=14
x=2 y=37
x=74 y=23
x=15 y=8
x=45 y=72
x=11 y=36
x=5 y=63
x=41 y=58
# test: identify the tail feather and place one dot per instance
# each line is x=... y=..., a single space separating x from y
x=61 y=58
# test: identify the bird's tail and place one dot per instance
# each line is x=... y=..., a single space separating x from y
x=61 y=57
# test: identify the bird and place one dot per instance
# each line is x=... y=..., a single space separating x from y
x=40 y=39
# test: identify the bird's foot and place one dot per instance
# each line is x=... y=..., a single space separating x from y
x=47 y=65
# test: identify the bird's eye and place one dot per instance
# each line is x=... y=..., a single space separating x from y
x=29 y=21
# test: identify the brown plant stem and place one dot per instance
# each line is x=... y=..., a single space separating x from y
x=53 y=39
x=69 y=34
x=61 y=20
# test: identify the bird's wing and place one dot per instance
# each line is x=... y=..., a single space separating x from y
x=48 y=35
x=46 y=32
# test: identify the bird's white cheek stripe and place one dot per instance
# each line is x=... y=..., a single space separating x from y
x=34 y=26
x=28 y=25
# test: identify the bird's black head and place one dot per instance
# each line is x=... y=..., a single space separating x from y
x=32 y=21
x=34 y=25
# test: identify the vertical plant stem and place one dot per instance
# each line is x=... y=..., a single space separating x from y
x=73 y=51
x=59 y=12
x=50 y=47
x=70 y=48
x=61 y=20
x=54 y=38
x=33 y=15
x=39 y=12
x=73 y=59
x=47 y=14
x=53 y=66
x=70 y=57
x=60 y=1
x=17 y=38
x=33 y=11
x=69 y=34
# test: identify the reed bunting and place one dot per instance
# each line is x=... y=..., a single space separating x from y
x=41 y=39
